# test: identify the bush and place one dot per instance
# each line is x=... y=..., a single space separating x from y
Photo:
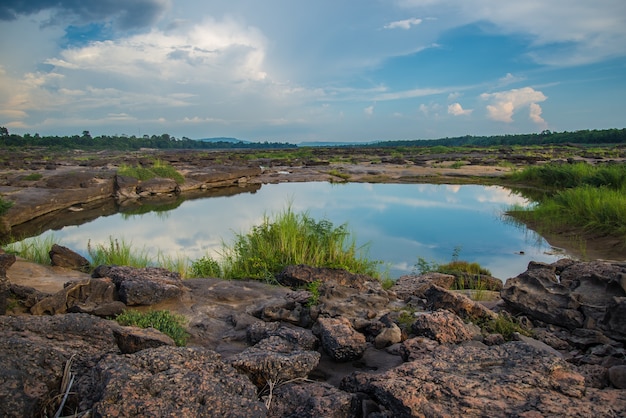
x=205 y=267
x=172 y=325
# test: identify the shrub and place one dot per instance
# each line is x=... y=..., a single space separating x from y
x=5 y=205
x=170 y=324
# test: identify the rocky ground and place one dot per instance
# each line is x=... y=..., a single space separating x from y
x=416 y=349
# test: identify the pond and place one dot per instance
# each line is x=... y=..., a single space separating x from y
x=398 y=223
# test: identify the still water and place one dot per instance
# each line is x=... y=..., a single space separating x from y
x=397 y=222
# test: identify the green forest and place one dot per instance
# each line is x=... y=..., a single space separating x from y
x=166 y=141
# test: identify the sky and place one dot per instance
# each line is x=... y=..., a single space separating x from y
x=298 y=71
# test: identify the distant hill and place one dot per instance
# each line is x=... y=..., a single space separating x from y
x=223 y=139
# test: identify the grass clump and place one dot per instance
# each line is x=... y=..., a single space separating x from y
x=158 y=169
x=170 y=324
x=504 y=325
x=35 y=249
x=314 y=289
x=294 y=238
x=33 y=177
x=117 y=252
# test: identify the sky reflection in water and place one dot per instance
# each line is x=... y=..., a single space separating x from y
x=401 y=222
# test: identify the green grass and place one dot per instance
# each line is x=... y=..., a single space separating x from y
x=5 y=205
x=177 y=264
x=293 y=238
x=33 y=177
x=158 y=169
x=118 y=252
x=172 y=325
x=35 y=249
x=339 y=174
x=205 y=267
x=579 y=195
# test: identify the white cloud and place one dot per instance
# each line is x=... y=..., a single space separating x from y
x=457 y=110
x=369 y=110
x=535 y=115
x=505 y=103
x=404 y=24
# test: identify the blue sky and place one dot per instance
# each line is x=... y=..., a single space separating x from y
x=282 y=70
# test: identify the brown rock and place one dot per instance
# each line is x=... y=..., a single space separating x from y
x=414 y=286
x=617 y=376
x=309 y=399
x=64 y=257
x=86 y=296
x=461 y=305
x=157 y=185
x=445 y=327
x=296 y=276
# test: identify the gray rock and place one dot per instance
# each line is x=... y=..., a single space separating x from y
x=157 y=185
x=617 y=376
x=312 y=400
x=300 y=337
x=133 y=339
x=86 y=296
x=389 y=335
x=275 y=360
x=339 y=340
x=461 y=305
x=300 y=275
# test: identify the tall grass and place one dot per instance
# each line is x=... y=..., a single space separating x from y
x=35 y=249
x=117 y=252
x=158 y=169
x=293 y=238
x=5 y=205
x=580 y=195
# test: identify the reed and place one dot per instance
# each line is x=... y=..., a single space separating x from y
x=118 y=252
x=35 y=249
x=293 y=238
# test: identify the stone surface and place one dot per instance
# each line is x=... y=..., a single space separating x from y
x=438 y=298
x=297 y=276
x=617 y=376
x=95 y=296
x=307 y=399
x=300 y=337
x=412 y=285
x=133 y=339
x=339 y=340
x=142 y=286
x=157 y=185
x=64 y=257
x=171 y=381
x=511 y=379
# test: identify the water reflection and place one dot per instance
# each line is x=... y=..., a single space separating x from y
x=401 y=222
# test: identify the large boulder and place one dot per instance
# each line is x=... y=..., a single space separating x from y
x=308 y=399
x=142 y=286
x=572 y=295
x=300 y=275
x=170 y=381
x=157 y=185
x=463 y=306
x=512 y=379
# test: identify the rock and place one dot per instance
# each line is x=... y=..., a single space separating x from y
x=64 y=257
x=34 y=351
x=142 y=286
x=389 y=335
x=133 y=339
x=95 y=296
x=512 y=379
x=416 y=347
x=300 y=337
x=171 y=381
x=126 y=187
x=157 y=185
x=537 y=294
x=414 y=286
x=275 y=360
x=339 y=340
x=617 y=376
x=6 y=261
x=309 y=399
x=285 y=310
x=478 y=281
x=296 y=276
x=614 y=321
x=444 y=327
x=461 y=305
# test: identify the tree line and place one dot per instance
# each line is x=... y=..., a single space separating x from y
x=165 y=141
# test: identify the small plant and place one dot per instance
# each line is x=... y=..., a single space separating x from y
x=339 y=174
x=314 y=289
x=170 y=324
x=118 y=252
x=5 y=205
x=387 y=283
x=457 y=164
x=158 y=169
x=177 y=264
x=205 y=267
x=33 y=177
x=504 y=325
x=424 y=266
